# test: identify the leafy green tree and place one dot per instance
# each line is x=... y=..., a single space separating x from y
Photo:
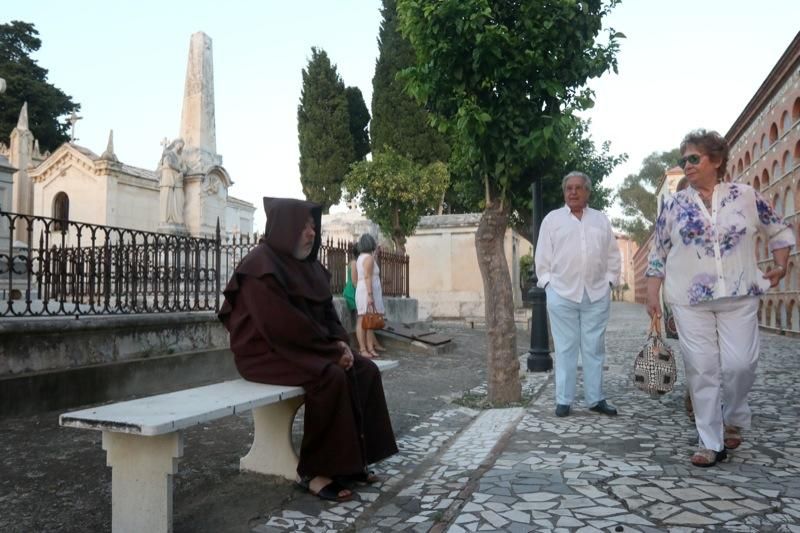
x=359 y=120
x=504 y=79
x=398 y=121
x=27 y=82
x=637 y=195
x=323 y=125
x=395 y=192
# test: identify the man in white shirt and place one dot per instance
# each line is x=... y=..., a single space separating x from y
x=577 y=262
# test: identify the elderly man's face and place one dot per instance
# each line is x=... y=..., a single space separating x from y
x=306 y=241
x=576 y=196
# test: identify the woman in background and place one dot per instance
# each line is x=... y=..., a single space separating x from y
x=368 y=294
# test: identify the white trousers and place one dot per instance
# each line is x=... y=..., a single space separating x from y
x=578 y=328
x=719 y=341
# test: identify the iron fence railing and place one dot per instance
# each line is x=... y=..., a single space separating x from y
x=61 y=267
x=51 y=267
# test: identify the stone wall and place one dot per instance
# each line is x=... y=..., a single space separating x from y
x=63 y=362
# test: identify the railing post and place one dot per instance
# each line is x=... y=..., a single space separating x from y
x=218 y=270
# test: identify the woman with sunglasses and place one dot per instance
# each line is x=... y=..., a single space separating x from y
x=704 y=251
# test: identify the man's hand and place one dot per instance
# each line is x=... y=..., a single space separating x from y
x=346 y=360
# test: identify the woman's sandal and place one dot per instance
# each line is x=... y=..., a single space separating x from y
x=732 y=437
x=329 y=492
x=704 y=457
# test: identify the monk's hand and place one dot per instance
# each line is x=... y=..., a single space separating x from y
x=346 y=360
x=774 y=275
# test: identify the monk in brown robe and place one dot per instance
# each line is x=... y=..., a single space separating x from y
x=284 y=330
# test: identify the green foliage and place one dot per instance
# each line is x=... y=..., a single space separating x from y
x=525 y=263
x=637 y=195
x=504 y=80
x=359 y=120
x=323 y=124
x=27 y=82
x=395 y=192
x=399 y=122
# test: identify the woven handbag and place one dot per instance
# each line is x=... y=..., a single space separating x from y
x=654 y=370
x=372 y=319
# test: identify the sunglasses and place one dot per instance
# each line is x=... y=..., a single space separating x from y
x=693 y=159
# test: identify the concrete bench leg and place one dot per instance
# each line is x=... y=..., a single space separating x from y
x=141 y=480
x=272 y=451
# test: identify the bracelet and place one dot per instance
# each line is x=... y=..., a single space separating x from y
x=783 y=268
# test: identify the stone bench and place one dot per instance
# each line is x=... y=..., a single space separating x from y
x=143 y=441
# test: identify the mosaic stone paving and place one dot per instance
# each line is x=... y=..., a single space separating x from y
x=527 y=470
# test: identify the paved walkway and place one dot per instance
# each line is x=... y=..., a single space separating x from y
x=523 y=469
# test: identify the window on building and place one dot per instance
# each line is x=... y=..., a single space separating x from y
x=746 y=160
x=786 y=122
x=756 y=184
x=777 y=205
x=773 y=133
x=764 y=178
x=739 y=166
x=796 y=110
x=61 y=211
x=776 y=170
x=764 y=143
x=755 y=152
x=788 y=202
x=786 y=162
x=796 y=154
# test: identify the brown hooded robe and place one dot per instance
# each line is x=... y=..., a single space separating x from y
x=284 y=330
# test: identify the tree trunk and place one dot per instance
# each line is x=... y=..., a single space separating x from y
x=502 y=360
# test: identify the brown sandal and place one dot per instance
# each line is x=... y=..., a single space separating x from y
x=704 y=457
x=732 y=437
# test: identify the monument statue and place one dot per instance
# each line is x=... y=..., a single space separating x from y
x=2 y=85
x=171 y=171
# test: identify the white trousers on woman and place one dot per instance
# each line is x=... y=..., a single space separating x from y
x=719 y=342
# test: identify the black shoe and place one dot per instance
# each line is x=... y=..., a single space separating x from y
x=605 y=408
x=562 y=410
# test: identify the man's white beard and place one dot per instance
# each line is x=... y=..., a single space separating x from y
x=302 y=252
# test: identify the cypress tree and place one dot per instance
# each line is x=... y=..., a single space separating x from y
x=397 y=120
x=323 y=125
x=359 y=120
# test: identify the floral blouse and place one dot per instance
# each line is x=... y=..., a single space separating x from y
x=710 y=255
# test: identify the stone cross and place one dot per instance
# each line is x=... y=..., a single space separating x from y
x=73 y=119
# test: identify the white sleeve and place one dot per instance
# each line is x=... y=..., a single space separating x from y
x=614 y=258
x=544 y=254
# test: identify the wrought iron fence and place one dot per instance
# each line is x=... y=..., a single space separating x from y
x=51 y=267
x=60 y=267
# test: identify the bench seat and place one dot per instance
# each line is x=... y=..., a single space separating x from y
x=143 y=441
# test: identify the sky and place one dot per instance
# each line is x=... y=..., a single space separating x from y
x=684 y=65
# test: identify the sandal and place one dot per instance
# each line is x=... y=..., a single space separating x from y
x=366 y=478
x=732 y=437
x=704 y=457
x=329 y=492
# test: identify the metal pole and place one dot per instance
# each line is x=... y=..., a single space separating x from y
x=539 y=359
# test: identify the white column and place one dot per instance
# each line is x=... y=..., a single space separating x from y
x=141 y=480
x=272 y=451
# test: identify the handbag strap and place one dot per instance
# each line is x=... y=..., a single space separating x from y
x=371 y=308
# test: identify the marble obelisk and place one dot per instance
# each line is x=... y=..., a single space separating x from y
x=198 y=128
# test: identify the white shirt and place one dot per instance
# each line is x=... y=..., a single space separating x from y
x=577 y=254
x=710 y=254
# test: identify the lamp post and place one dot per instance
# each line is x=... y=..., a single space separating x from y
x=539 y=359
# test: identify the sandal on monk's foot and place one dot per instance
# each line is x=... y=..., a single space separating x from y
x=330 y=492
x=732 y=437
x=704 y=457
x=364 y=478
